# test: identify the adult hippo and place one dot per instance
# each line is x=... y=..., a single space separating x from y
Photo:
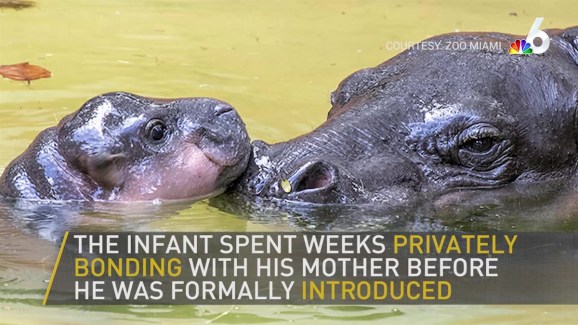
x=124 y=147
x=438 y=125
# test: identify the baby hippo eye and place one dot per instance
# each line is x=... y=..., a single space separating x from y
x=156 y=130
x=480 y=145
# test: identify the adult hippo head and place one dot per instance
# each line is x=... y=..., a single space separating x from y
x=435 y=124
x=123 y=147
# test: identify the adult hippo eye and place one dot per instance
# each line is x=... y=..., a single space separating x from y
x=156 y=130
x=480 y=146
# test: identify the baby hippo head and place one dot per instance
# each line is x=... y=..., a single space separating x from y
x=134 y=148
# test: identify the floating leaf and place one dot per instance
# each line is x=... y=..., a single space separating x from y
x=16 y=4
x=23 y=72
x=286 y=186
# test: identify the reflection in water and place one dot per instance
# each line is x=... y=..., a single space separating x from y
x=544 y=207
x=49 y=220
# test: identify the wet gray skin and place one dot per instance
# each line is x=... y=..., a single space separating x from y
x=123 y=147
x=447 y=127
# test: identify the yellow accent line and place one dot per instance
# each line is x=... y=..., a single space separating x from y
x=55 y=268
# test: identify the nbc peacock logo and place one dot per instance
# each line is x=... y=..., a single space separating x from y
x=520 y=47
x=528 y=46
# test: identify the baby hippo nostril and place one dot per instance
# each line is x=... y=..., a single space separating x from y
x=222 y=109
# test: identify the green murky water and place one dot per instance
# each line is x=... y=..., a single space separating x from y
x=275 y=61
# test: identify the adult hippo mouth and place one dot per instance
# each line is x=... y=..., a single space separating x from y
x=434 y=125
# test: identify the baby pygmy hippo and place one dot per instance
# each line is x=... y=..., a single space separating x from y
x=124 y=147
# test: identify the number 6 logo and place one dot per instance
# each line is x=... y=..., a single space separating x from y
x=534 y=33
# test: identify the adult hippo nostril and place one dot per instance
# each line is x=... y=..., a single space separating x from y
x=313 y=176
x=318 y=182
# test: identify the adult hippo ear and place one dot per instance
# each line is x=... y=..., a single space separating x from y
x=569 y=41
x=362 y=81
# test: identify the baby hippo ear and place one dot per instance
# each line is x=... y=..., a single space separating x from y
x=98 y=155
x=88 y=139
x=104 y=168
x=104 y=163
